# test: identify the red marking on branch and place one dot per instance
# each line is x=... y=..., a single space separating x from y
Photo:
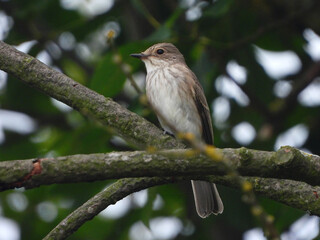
x=315 y=194
x=35 y=171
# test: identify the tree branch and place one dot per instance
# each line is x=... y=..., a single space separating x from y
x=99 y=202
x=124 y=123
x=303 y=197
x=295 y=194
x=288 y=162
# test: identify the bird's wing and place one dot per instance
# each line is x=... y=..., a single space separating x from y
x=204 y=112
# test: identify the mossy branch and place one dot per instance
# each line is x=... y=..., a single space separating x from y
x=303 y=197
x=99 y=202
x=296 y=194
x=286 y=163
x=124 y=123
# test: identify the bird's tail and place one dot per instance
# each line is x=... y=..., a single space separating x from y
x=207 y=198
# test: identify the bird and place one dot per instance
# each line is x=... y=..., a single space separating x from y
x=178 y=99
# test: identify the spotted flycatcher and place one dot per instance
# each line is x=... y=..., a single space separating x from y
x=178 y=99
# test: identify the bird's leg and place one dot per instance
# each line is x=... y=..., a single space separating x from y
x=168 y=133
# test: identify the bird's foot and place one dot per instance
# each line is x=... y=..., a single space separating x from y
x=168 y=133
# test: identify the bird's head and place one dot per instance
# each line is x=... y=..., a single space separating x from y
x=160 y=55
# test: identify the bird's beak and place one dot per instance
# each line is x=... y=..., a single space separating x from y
x=139 y=55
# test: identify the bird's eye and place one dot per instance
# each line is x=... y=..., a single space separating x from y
x=160 y=51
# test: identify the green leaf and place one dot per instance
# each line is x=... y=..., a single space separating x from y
x=108 y=78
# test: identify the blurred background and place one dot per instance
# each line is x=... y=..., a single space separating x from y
x=258 y=62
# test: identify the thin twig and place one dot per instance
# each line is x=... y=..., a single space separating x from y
x=125 y=68
x=145 y=12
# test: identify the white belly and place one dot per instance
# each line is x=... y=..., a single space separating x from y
x=166 y=96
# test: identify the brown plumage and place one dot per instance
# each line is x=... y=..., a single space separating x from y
x=178 y=99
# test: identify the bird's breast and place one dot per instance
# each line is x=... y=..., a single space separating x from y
x=169 y=95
